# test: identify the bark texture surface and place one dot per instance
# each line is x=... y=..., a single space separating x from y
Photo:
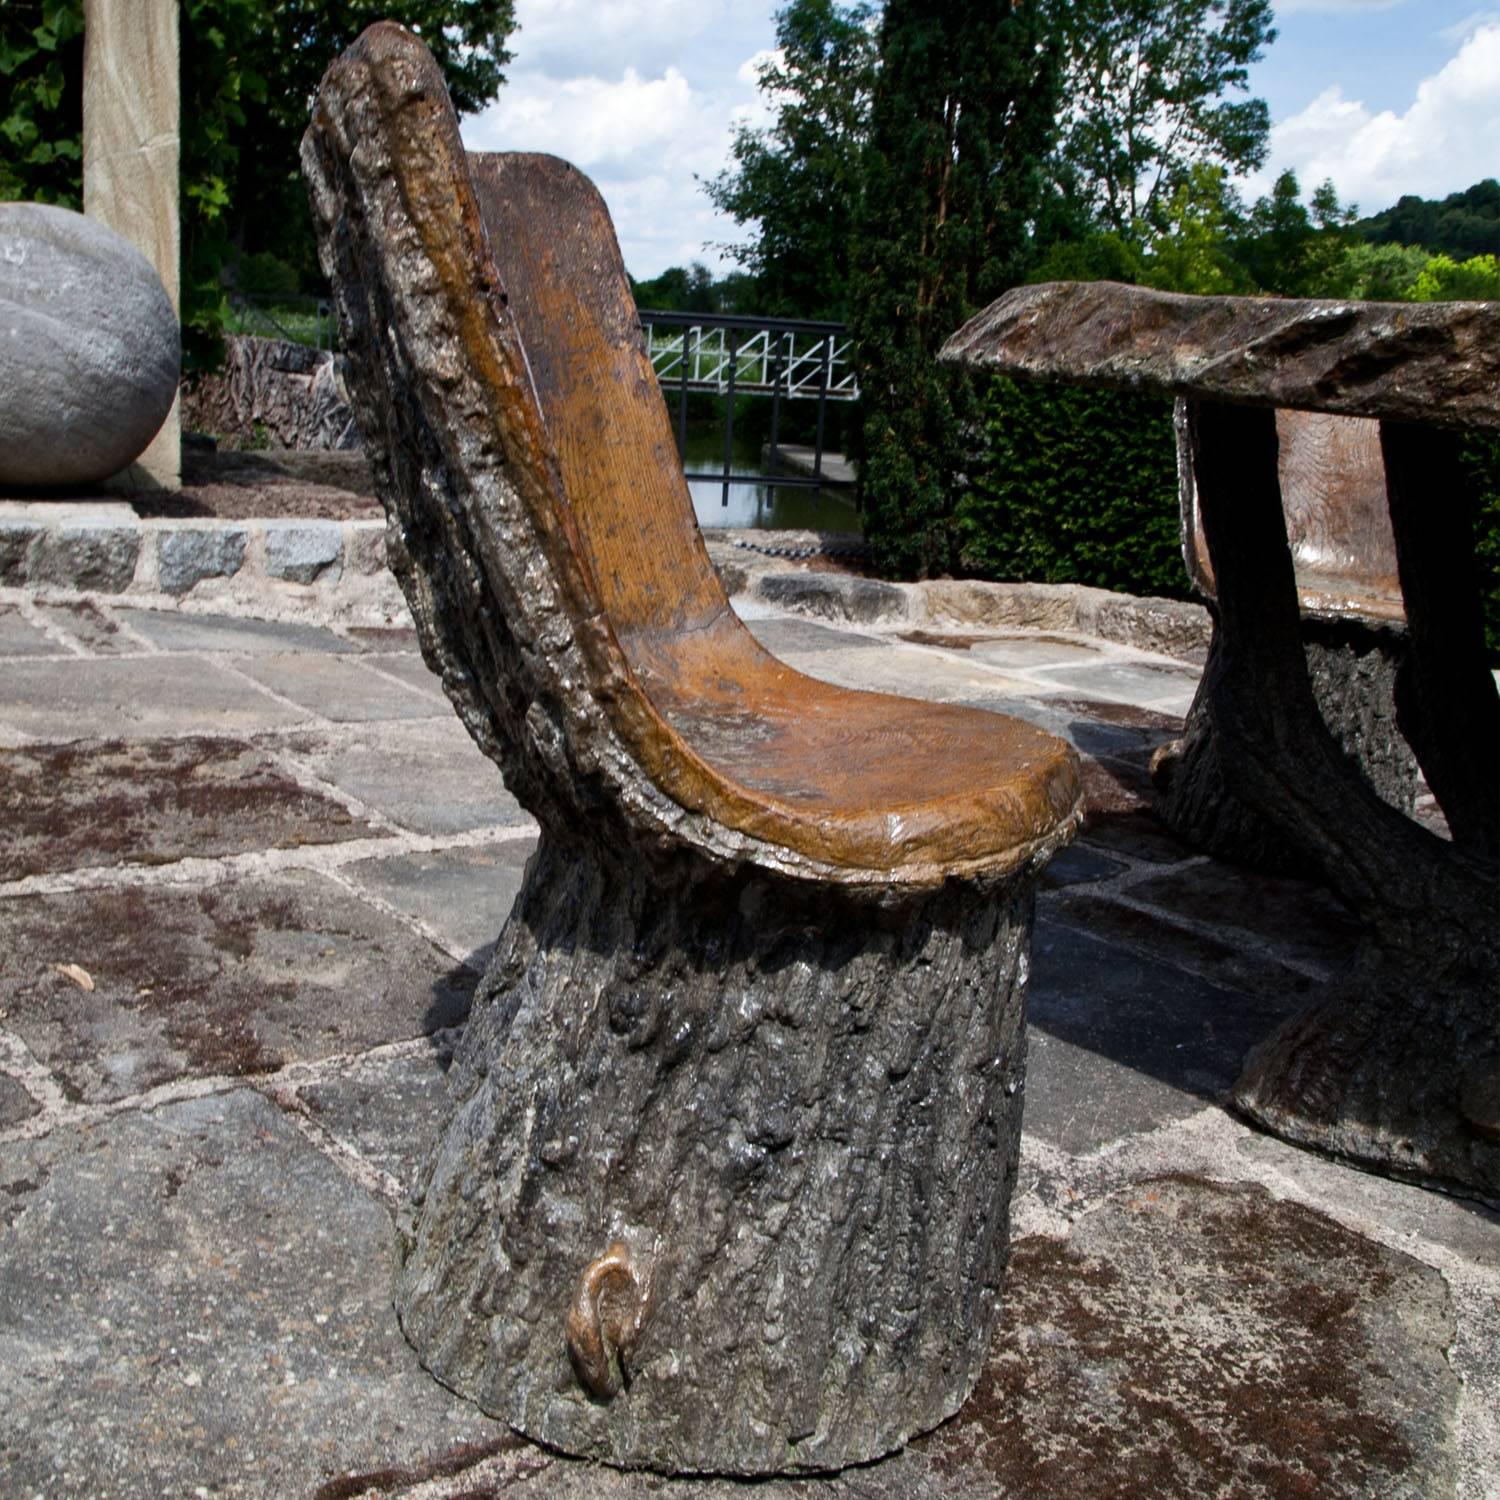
x=295 y=394
x=726 y=1184
x=1398 y=1064
x=537 y=503
x=1353 y=670
x=1332 y=483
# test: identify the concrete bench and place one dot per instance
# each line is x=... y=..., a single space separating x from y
x=1353 y=624
x=1396 y=1064
x=735 y=1119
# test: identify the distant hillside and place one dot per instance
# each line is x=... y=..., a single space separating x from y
x=1462 y=225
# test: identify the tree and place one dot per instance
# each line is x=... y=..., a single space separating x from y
x=1445 y=280
x=1290 y=248
x=961 y=123
x=41 y=120
x=249 y=71
x=1145 y=86
x=694 y=289
x=289 y=44
x=1374 y=273
x=797 y=181
x=1463 y=225
x=1192 y=251
x=1096 y=256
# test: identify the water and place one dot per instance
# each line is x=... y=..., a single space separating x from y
x=760 y=506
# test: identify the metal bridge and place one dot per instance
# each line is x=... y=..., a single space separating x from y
x=729 y=355
x=792 y=358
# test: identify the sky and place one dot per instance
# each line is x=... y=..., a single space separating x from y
x=1384 y=97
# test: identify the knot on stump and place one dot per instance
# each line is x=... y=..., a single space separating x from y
x=610 y=1310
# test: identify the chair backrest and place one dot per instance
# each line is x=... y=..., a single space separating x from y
x=1338 y=524
x=550 y=233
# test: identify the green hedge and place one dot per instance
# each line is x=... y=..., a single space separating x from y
x=1077 y=486
x=1074 y=486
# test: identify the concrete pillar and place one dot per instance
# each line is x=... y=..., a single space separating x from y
x=131 y=148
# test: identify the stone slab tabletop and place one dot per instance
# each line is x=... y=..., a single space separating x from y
x=1431 y=362
x=252 y=871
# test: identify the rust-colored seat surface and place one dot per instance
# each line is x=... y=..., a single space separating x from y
x=859 y=783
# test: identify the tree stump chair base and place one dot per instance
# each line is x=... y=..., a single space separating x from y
x=764 y=1138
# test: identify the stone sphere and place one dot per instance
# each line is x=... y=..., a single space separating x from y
x=90 y=349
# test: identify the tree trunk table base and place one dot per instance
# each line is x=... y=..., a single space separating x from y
x=1353 y=670
x=725 y=1185
x=1394 y=1067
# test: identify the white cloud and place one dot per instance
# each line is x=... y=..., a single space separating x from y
x=1444 y=142
x=644 y=96
x=750 y=70
x=603 y=35
x=644 y=141
x=589 y=121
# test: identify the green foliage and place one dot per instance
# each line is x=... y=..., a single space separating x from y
x=1075 y=486
x=1373 y=273
x=1481 y=458
x=1102 y=256
x=798 y=180
x=41 y=101
x=961 y=122
x=214 y=39
x=1192 y=250
x=249 y=70
x=1404 y=273
x=1147 y=84
x=1462 y=225
x=294 y=319
x=1288 y=249
x=694 y=289
x=1443 y=279
x=266 y=275
x=289 y=44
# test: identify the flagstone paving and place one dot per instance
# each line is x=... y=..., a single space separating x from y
x=251 y=873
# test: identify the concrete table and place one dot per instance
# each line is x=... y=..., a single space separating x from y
x=1396 y=1064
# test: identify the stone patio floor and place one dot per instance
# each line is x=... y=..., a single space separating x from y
x=250 y=873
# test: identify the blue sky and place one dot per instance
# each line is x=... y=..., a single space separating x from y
x=1384 y=96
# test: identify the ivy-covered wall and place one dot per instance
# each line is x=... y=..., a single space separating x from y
x=1079 y=486
x=1074 y=486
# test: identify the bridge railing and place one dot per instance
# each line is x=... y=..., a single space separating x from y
x=729 y=355
x=796 y=358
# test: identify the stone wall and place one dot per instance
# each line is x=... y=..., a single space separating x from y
x=273 y=567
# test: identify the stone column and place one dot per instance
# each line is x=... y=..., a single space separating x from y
x=131 y=147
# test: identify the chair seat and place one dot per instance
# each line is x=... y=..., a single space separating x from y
x=861 y=780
